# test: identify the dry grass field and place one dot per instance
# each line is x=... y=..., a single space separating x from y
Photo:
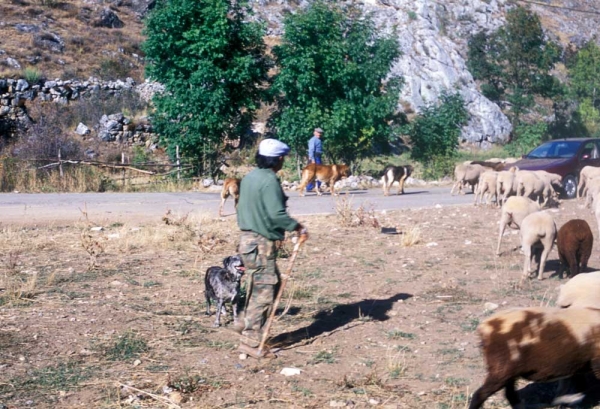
x=114 y=318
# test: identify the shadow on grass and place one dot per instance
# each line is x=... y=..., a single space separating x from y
x=338 y=316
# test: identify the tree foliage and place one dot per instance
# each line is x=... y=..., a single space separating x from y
x=335 y=74
x=514 y=63
x=435 y=132
x=212 y=63
x=585 y=85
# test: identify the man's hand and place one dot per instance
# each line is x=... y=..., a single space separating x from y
x=302 y=232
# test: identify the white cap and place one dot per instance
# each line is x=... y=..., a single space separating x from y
x=273 y=148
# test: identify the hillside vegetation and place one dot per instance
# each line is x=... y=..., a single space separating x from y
x=71 y=39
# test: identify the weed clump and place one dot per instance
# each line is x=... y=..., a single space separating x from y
x=363 y=215
x=125 y=347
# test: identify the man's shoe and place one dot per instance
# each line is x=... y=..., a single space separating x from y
x=255 y=353
x=251 y=338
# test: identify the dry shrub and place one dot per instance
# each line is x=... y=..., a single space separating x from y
x=214 y=235
x=202 y=230
x=15 y=284
x=48 y=134
x=364 y=215
x=411 y=236
x=94 y=245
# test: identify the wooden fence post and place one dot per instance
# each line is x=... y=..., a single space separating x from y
x=178 y=162
x=123 y=169
x=60 y=168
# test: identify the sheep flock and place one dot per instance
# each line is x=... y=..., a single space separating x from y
x=539 y=344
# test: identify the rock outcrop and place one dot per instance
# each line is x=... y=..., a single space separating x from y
x=433 y=37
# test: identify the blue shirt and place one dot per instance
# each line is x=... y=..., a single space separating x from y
x=315 y=147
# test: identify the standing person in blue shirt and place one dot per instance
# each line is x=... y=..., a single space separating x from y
x=315 y=150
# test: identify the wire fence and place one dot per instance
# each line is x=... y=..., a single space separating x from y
x=124 y=172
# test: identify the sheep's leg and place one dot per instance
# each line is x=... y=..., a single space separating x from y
x=503 y=223
x=585 y=256
x=563 y=263
x=580 y=184
x=511 y=394
x=543 y=261
x=489 y=387
x=573 y=265
x=527 y=263
x=219 y=306
x=457 y=184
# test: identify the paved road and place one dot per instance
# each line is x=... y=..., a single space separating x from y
x=61 y=208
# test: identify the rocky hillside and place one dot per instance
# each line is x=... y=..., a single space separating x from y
x=81 y=38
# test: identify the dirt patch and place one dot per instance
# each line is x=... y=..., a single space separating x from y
x=115 y=318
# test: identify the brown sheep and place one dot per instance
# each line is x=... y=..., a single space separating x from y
x=538 y=344
x=574 y=242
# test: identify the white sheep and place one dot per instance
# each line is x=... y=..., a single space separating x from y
x=592 y=188
x=487 y=188
x=510 y=161
x=538 y=344
x=506 y=184
x=553 y=178
x=583 y=290
x=467 y=174
x=530 y=184
x=588 y=172
x=514 y=210
x=537 y=230
x=596 y=209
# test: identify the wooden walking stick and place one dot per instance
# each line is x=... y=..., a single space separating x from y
x=260 y=352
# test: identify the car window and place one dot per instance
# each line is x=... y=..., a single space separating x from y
x=566 y=150
x=541 y=151
x=589 y=151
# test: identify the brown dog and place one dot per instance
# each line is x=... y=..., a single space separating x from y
x=325 y=173
x=231 y=187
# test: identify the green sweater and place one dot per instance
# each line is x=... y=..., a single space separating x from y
x=261 y=207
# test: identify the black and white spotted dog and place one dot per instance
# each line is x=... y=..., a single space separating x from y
x=393 y=174
x=222 y=284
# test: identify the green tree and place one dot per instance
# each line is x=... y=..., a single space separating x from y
x=212 y=63
x=434 y=133
x=335 y=74
x=585 y=85
x=514 y=63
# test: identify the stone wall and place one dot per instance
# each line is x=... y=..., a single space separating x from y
x=16 y=94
